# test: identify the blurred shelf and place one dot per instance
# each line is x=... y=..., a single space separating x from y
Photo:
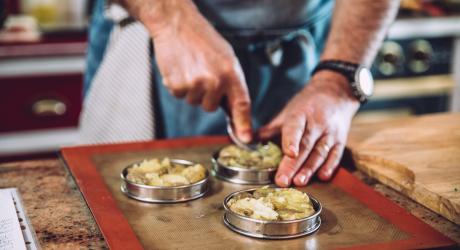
x=413 y=87
x=382 y=115
x=50 y=44
x=43 y=49
x=40 y=141
x=425 y=27
x=46 y=65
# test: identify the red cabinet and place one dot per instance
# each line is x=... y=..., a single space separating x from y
x=41 y=101
x=40 y=94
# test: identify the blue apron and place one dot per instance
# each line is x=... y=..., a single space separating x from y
x=272 y=79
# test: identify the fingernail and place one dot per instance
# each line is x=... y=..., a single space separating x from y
x=283 y=180
x=328 y=173
x=293 y=149
x=308 y=175
x=302 y=179
x=246 y=137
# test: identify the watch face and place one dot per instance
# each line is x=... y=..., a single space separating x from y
x=365 y=81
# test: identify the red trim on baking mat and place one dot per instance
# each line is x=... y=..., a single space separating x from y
x=422 y=235
x=119 y=234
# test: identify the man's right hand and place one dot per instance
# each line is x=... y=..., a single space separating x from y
x=195 y=61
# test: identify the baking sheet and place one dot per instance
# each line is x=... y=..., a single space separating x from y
x=353 y=214
x=345 y=221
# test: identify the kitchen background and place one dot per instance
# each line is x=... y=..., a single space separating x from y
x=42 y=60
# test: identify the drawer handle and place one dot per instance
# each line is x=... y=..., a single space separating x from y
x=49 y=107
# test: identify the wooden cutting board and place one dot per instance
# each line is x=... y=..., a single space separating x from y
x=417 y=156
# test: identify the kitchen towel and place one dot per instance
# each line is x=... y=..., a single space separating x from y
x=119 y=107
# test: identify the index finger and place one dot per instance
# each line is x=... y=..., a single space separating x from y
x=290 y=165
x=239 y=104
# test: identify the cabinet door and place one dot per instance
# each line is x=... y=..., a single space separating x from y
x=40 y=101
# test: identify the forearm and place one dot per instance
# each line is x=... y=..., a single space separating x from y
x=315 y=123
x=196 y=63
x=159 y=14
x=358 y=28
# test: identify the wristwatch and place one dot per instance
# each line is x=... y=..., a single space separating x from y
x=359 y=77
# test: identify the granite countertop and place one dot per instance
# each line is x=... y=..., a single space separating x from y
x=62 y=220
x=53 y=204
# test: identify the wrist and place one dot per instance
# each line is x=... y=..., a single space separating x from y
x=161 y=15
x=336 y=84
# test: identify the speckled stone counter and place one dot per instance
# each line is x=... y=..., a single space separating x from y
x=62 y=220
x=53 y=204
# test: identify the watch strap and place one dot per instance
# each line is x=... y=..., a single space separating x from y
x=346 y=69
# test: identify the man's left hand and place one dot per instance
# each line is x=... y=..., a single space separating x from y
x=314 y=128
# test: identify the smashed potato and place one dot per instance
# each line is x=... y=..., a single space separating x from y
x=154 y=172
x=266 y=156
x=272 y=204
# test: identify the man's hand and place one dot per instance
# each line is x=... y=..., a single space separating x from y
x=314 y=127
x=315 y=123
x=195 y=61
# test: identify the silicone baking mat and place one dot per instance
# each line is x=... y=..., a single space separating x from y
x=354 y=216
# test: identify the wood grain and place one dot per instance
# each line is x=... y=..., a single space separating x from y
x=418 y=156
